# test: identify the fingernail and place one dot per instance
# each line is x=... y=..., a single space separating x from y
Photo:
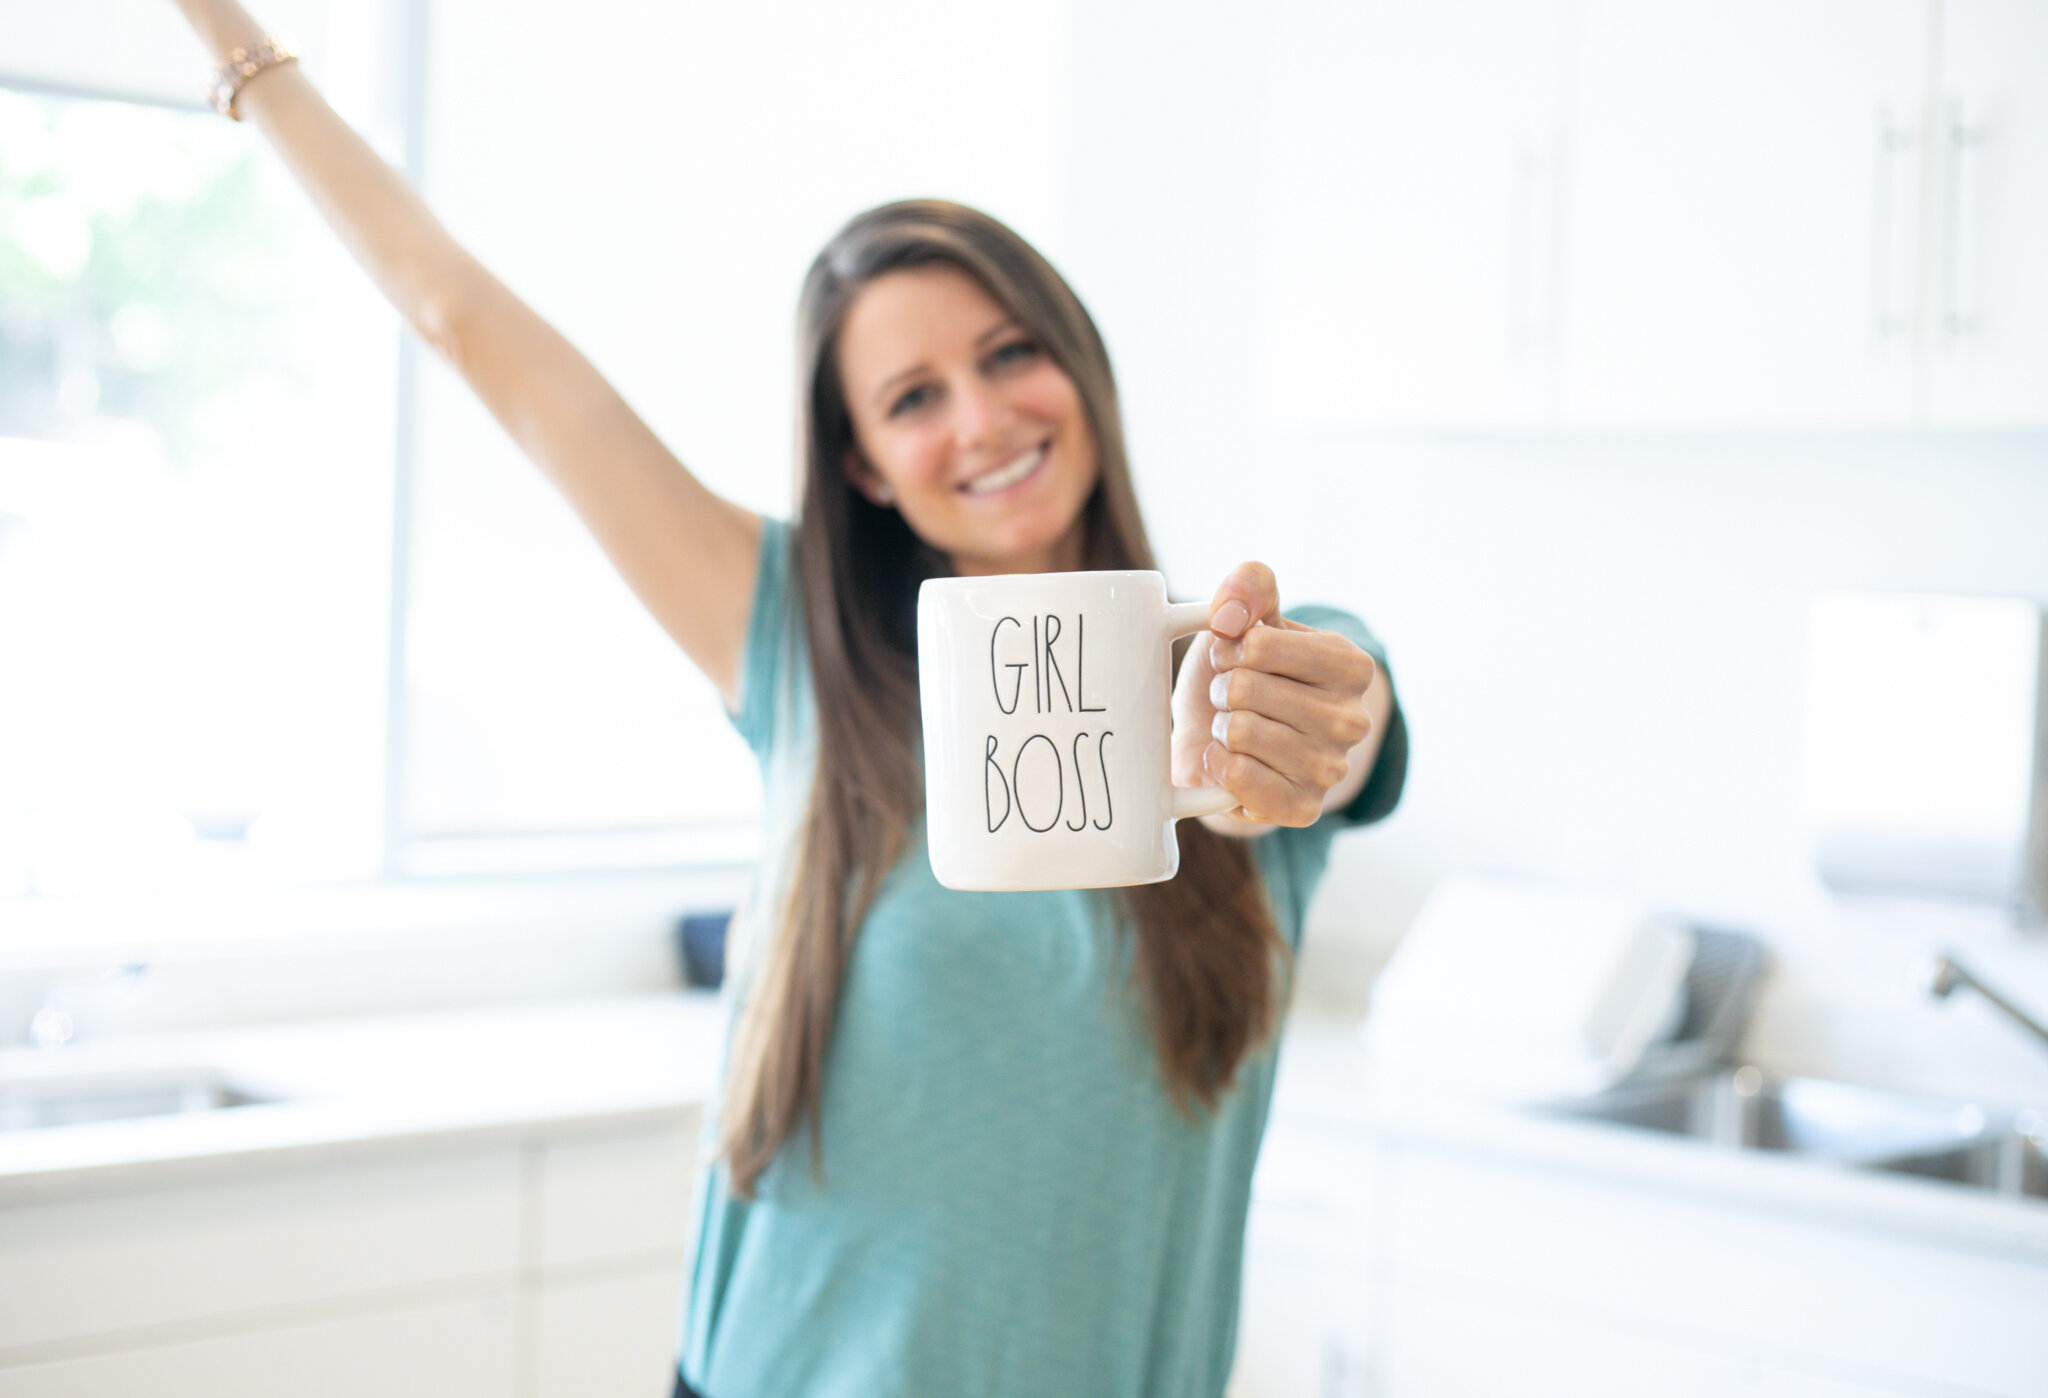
x=1219 y=691
x=1231 y=618
x=1219 y=728
x=1209 y=760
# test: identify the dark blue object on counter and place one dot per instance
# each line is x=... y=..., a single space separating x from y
x=700 y=937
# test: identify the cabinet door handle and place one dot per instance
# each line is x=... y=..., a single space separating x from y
x=1963 y=140
x=1532 y=277
x=1522 y=251
x=1336 y=1379
x=1891 y=222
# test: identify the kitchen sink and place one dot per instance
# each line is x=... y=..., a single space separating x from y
x=2013 y=1162
x=1747 y=1108
x=67 y=1099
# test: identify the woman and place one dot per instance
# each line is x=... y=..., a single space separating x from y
x=968 y=1143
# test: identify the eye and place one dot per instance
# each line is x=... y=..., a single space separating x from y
x=910 y=401
x=1020 y=351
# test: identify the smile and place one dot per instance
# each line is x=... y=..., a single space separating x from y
x=1012 y=473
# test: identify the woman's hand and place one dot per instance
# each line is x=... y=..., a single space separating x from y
x=1277 y=713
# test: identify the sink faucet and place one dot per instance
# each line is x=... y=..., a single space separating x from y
x=1945 y=975
x=93 y=995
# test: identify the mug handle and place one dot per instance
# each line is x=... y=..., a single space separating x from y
x=1184 y=619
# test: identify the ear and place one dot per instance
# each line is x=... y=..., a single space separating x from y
x=867 y=480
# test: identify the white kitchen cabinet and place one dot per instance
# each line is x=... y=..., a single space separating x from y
x=1412 y=219
x=1313 y=1251
x=613 y=1336
x=615 y=1194
x=528 y=1269
x=1845 y=1304
x=605 y=1279
x=1740 y=244
x=1384 y=1266
x=1451 y=1341
x=1305 y=1323
x=1675 y=215
x=455 y=1349
x=143 y=1261
x=1988 y=336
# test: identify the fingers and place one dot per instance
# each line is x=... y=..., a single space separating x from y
x=1289 y=704
x=1311 y=713
x=1249 y=594
x=1321 y=658
x=1264 y=796
x=1298 y=758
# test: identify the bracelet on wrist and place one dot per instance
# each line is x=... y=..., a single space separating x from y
x=241 y=65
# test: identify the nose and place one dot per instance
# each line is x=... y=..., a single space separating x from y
x=978 y=412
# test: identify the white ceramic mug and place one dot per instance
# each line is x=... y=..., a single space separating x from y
x=1048 y=728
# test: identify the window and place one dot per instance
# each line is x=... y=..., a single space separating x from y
x=195 y=480
x=216 y=670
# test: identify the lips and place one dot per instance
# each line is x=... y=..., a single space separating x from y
x=1014 y=472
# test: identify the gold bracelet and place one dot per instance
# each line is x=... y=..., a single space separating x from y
x=243 y=64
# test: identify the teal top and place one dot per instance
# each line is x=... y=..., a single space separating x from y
x=1010 y=1202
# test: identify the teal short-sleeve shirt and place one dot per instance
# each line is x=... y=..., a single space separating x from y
x=1010 y=1202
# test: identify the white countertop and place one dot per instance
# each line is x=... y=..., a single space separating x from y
x=348 y=1088
x=352 y=1089
x=1325 y=1083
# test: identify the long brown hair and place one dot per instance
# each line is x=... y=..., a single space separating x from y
x=1208 y=954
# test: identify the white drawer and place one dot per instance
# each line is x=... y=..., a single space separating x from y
x=616 y=1195
x=614 y=1336
x=95 y=1266
x=457 y=1349
x=1883 y=1305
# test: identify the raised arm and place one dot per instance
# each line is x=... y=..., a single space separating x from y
x=687 y=554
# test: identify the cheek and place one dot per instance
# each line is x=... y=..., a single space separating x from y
x=1050 y=396
x=1064 y=405
x=911 y=457
x=1055 y=395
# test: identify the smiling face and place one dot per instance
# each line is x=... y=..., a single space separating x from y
x=963 y=422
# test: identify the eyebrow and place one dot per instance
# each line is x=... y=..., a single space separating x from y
x=993 y=332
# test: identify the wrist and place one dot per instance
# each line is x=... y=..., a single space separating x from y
x=243 y=65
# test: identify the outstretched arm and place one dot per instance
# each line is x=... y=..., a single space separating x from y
x=687 y=554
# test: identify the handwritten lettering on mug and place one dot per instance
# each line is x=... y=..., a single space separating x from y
x=1044 y=665
x=1047 y=724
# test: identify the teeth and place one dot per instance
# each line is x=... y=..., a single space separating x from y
x=1004 y=477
